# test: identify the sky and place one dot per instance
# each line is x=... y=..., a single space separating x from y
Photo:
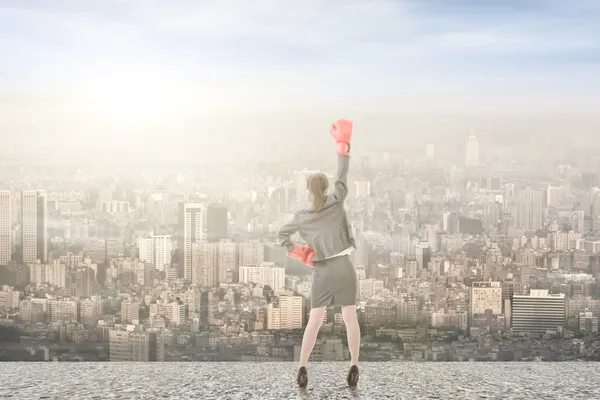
x=147 y=68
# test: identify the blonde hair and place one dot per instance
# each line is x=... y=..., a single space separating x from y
x=317 y=185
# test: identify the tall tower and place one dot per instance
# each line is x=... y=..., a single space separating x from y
x=5 y=218
x=531 y=210
x=34 y=226
x=471 y=150
x=216 y=223
x=162 y=245
x=190 y=230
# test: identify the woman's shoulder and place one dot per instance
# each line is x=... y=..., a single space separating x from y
x=304 y=211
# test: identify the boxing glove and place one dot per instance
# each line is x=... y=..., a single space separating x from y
x=304 y=254
x=341 y=130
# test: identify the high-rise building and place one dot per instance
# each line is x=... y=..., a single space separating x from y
x=204 y=264
x=486 y=296
x=34 y=226
x=471 y=151
x=538 y=313
x=252 y=252
x=216 y=223
x=264 y=274
x=130 y=312
x=5 y=231
x=530 y=215
x=191 y=230
x=81 y=282
x=144 y=246
x=156 y=250
x=228 y=261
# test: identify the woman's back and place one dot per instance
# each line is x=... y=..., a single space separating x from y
x=327 y=230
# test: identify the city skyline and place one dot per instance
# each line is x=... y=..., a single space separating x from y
x=158 y=199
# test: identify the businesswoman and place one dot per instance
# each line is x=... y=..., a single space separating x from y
x=324 y=227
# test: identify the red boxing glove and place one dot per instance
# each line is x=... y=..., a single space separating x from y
x=304 y=254
x=341 y=130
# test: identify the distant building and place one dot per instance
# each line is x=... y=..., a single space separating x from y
x=5 y=225
x=216 y=223
x=286 y=313
x=114 y=207
x=156 y=250
x=264 y=274
x=486 y=296
x=34 y=226
x=135 y=346
x=471 y=151
x=191 y=230
x=538 y=313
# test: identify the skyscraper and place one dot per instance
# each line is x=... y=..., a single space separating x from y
x=190 y=230
x=531 y=210
x=34 y=226
x=5 y=218
x=252 y=253
x=204 y=263
x=156 y=250
x=471 y=151
x=228 y=261
x=216 y=223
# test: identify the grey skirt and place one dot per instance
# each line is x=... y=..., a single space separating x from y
x=334 y=282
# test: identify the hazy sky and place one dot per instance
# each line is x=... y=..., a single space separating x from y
x=129 y=66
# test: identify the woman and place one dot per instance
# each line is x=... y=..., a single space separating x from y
x=324 y=227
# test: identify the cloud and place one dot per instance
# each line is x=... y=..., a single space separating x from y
x=365 y=54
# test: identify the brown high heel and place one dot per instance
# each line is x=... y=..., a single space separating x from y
x=302 y=378
x=352 y=378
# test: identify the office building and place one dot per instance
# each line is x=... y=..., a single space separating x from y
x=252 y=253
x=156 y=250
x=34 y=226
x=191 y=230
x=286 y=312
x=216 y=223
x=471 y=151
x=135 y=346
x=485 y=296
x=264 y=274
x=5 y=225
x=538 y=313
x=204 y=263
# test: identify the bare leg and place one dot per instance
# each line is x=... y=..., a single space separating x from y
x=352 y=330
x=310 y=334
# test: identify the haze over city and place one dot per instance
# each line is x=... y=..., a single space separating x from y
x=216 y=74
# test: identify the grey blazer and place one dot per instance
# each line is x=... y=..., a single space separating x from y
x=326 y=231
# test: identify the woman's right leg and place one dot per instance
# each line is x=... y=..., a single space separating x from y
x=352 y=330
x=310 y=334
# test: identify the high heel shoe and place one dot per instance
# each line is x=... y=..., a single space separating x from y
x=352 y=378
x=302 y=378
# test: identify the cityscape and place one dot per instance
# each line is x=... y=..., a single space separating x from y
x=460 y=258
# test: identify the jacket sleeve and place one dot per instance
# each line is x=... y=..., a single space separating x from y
x=341 y=178
x=287 y=230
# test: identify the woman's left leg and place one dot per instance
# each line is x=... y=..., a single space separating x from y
x=310 y=334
